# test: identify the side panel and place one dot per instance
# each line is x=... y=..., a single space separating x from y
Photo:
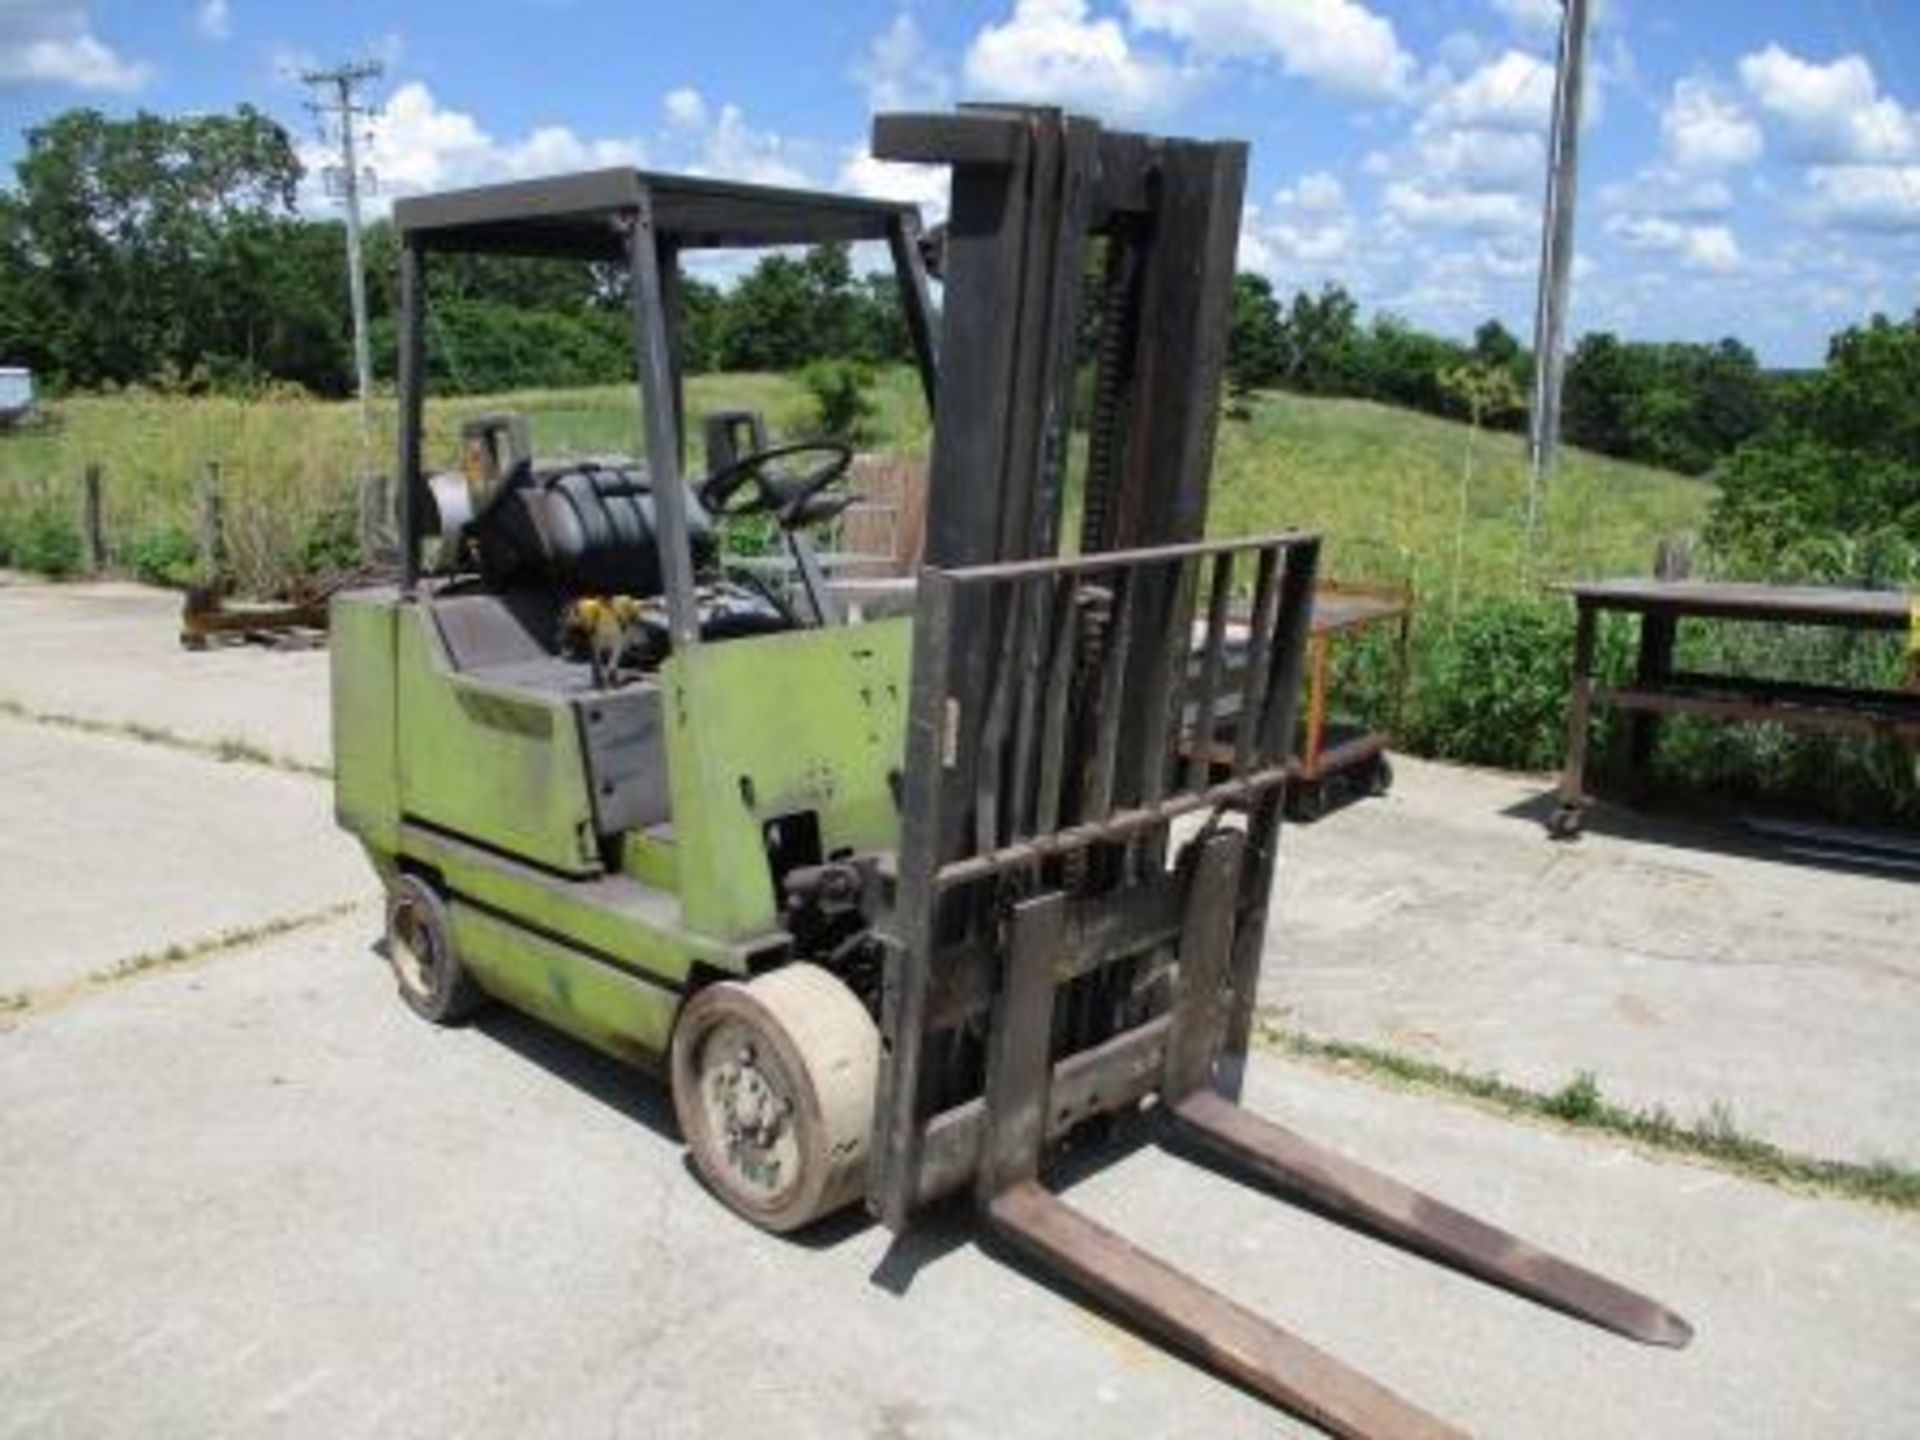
x=498 y=764
x=812 y=720
x=624 y=920
x=366 y=794
x=608 y=1008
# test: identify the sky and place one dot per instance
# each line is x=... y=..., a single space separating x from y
x=1748 y=169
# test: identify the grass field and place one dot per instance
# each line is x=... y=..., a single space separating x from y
x=1384 y=485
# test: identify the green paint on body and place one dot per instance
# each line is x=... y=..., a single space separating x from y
x=485 y=785
x=779 y=725
x=611 y=1009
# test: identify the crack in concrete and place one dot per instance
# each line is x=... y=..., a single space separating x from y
x=21 y=1005
x=230 y=751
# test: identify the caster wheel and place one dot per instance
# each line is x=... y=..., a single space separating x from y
x=426 y=966
x=1308 y=803
x=773 y=1084
x=1380 y=777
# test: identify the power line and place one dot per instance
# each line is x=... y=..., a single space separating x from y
x=336 y=103
x=1556 y=256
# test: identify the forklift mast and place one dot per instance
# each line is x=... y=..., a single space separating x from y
x=1060 y=722
x=1051 y=954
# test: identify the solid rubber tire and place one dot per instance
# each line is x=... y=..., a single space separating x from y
x=829 y=1050
x=449 y=993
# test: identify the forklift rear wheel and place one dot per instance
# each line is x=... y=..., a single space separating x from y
x=433 y=982
x=773 y=1083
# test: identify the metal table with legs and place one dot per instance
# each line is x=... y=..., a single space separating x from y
x=1657 y=689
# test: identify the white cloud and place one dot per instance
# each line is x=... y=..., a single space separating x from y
x=421 y=144
x=1512 y=92
x=1866 y=197
x=1308 y=231
x=1479 y=159
x=418 y=144
x=685 y=108
x=1050 y=52
x=51 y=42
x=1663 y=190
x=1458 y=208
x=901 y=72
x=214 y=19
x=1704 y=130
x=1831 y=113
x=731 y=149
x=1697 y=247
x=1339 y=44
x=1476 y=154
x=922 y=185
x=1318 y=193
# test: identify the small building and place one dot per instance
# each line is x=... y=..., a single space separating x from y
x=16 y=393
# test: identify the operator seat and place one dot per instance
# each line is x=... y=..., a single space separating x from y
x=582 y=527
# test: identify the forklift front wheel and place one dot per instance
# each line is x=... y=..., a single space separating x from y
x=433 y=982
x=773 y=1084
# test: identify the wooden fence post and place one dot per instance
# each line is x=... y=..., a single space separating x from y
x=93 y=532
x=210 y=528
x=1673 y=560
x=375 y=516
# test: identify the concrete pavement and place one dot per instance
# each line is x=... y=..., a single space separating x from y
x=251 y=1193
x=257 y=1195
x=1681 y=971
x=113 y=849
x=108 y=651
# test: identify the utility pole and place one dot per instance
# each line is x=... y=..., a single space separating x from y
x=1556 y=257
x=338 y=104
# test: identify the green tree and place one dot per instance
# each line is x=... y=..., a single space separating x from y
x=1681 y=406
x=1838 y=467
x=1405 y=366
x=121 y=225
x=1321 y=342
x=1486 y=391
x=768 y=320
x=1494 y=344
x=1255 y=342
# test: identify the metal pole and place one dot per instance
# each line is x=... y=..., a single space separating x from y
x=356 y=276
x=662 y=437
x=1556 y=256
x=413 y=289
x=342 y=80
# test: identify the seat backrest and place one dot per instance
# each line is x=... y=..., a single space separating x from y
x=583 y=528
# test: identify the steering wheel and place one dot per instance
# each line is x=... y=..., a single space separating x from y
x=745 y=487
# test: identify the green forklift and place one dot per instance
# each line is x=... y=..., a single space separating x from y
x=900 y=908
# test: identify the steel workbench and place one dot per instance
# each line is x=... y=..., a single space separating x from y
x=1658 y=689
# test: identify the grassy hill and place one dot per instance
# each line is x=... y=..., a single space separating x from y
x=1386 y=488
x=1383 y=485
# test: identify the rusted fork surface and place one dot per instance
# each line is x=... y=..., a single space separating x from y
x=1206 y=1324
x=1384 y=1206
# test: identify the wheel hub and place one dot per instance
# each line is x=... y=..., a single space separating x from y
x=752 y=1111
x=413 y=949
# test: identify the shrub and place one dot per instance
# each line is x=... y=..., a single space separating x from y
x=841 y=398
x=40 y=539
x=331 y=544
x=167 y=555
x=1491 y=689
